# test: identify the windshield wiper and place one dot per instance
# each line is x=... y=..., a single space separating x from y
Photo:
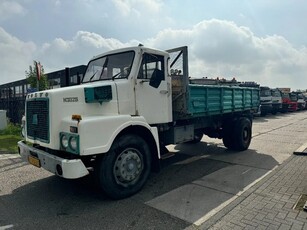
x=93 y=76
x=123 y=73
x=104 y=66
x=116 y=75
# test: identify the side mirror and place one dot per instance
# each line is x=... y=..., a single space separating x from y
x=156 y=78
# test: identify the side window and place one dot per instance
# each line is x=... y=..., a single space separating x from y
x=152 y=65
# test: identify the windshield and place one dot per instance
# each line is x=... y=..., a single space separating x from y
x=285 y=95
x=109 y=67
x=293 y=97
x=265 y=92
x=276 y=93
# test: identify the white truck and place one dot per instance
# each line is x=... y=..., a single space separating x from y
x=132 y=103
x=276 y=100
x=265 y=100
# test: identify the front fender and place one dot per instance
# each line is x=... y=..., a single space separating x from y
x=97 y=133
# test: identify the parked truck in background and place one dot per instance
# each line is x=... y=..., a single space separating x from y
x=276 y=101
x=131 y=104
x=265 y=100
x=285 y=94
x=305 y=97
x=293 y=102
x=301 y=103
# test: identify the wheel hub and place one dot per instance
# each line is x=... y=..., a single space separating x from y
x=128 y=166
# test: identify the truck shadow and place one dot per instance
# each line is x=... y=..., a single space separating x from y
x=193 y=161
x=67 y=201
x=56 y=203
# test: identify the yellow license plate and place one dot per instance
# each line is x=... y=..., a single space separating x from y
x=34 y=161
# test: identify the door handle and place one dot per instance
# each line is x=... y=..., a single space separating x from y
x=164 y=91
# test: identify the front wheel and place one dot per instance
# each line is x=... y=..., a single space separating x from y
x=124 y=170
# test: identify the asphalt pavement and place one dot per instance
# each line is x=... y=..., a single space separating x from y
x=276 y=202
x=204 y=186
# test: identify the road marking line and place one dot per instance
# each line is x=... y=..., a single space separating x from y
x=227 y=202
x=6 y=227
x=246 y=171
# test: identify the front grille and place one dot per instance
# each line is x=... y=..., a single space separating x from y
x=38 y=119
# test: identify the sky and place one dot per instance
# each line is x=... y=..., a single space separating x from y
x=252 y=40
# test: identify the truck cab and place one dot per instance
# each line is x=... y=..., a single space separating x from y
x=293 y=102
x=276 y=101
x=301 y=103
x=133 y=78
x=285 y=101
x=265 y=100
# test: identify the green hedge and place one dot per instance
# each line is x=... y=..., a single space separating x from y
x=11 y=129
x=9 y=138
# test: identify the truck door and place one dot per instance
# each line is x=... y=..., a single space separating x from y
x=153 y=90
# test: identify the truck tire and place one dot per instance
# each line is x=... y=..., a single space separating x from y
x=124 y=170
x=242 y=134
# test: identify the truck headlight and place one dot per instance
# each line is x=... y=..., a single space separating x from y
x=70 y=142
x=73 y=143
x=64 y=141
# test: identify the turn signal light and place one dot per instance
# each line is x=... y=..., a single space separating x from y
x=76 y=117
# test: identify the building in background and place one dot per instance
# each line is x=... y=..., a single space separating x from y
x=12 y=95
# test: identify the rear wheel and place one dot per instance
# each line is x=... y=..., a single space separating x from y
x=242 y=134
x=237 y=134
x=124 y=170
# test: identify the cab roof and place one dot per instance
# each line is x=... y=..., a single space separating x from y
x=136 y=49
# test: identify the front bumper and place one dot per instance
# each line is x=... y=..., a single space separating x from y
x=276 y=106
x=66 y=168
x=267 y=108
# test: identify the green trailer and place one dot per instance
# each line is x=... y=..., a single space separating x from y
x=219 y=111
x=206 y=100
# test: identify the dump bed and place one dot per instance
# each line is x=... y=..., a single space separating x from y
x=196 y=98
x=207 y=100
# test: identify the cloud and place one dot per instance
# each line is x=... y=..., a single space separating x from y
x=217 y=48
x=138 y=7
x=58 y=3
x=10 y=9
x=140 y=18
x=61 y=53
x=53 y=55
x=16 y=57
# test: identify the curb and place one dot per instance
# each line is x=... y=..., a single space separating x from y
x=214 y=219
x=301 y=150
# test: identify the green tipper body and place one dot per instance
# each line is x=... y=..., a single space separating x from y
x=206 y=100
